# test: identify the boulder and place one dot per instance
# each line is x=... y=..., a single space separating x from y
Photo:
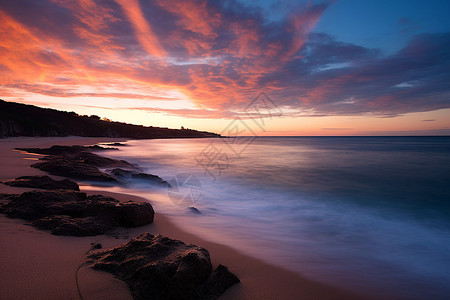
x=43 y=182
x=133 y=214
x=39 y=204
x=67 y=225
x=73 y=213
x=157 y=267
x=219 y=281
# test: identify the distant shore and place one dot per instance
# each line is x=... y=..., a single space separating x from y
x=36 y=264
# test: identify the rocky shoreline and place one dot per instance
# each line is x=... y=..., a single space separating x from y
x=152 y=266
x=78 y=162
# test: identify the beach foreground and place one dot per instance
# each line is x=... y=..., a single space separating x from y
x=38 y=265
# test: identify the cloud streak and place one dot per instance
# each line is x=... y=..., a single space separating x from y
x=217 y=54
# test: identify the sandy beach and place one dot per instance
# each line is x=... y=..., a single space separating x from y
x=38 y=265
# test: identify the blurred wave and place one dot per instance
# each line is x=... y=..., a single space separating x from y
x=368 y=213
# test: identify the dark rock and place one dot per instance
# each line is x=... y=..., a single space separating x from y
x=73 y=213
x=54 y=150
x=101 y=205
x=125 y=214
x=157 y=267
x=4 y=199
x=121 y=173
x=116 y=144
x=220 y=280
x=39 y=204
x=133 y=214
x=150 y=178
x=99 y=148
x=62 y=166
x=95 y=246
x=59 y=150
x=76 y=162
x=91 y=159
x=65 y=166
x=43 y=182
x=67 y=225
x=194 y=210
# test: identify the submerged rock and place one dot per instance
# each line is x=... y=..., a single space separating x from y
x=150 y=178
x=194 y=210
x=73 y=213
x=157 y=267
x=121 y=173
x=126 y=175
x=43 y=182
x=116 y=144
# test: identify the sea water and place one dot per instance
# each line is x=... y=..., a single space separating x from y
x=371 y=214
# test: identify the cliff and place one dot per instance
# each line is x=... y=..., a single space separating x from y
x=18 y=119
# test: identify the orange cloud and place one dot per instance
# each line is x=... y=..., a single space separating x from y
x=92 y=60
x=301 y=24
x=143 y=31
x=194 y=16
x=24 y=54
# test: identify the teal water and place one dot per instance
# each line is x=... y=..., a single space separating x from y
x=371 y=214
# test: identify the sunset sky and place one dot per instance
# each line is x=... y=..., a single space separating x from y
x=349 y=67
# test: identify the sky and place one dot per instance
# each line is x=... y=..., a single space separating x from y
x=348 y=67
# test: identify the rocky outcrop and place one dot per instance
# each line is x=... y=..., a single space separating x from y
x=43 y=182
x=125 y=175
x=76 y=162
x=68 y=166
x=157 y=267
x=74 y=213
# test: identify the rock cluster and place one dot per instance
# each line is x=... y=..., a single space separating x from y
x=157 y=267
x=154 y=267
x=79 y=163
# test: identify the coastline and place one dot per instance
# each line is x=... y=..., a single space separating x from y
x=45 y=265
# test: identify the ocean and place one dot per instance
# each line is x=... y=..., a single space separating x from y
x=371 y=214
